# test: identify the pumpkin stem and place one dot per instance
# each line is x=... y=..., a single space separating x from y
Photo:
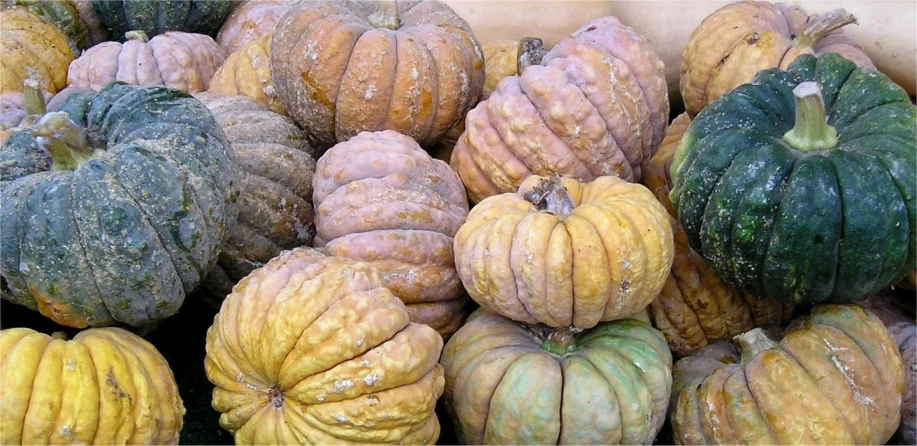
x=67 y=143
x=386 y=15
x=137 y=34
x=59 y=335
x=819 y=26
x=31 y=93
x=560 y=341
x=753 y=342
x=811 y=131
x=551 y=196
x=531 y=51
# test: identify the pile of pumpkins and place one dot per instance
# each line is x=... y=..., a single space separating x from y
x=388 y=212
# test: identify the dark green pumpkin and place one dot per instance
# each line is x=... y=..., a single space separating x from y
x=825 y=222
x=63 y=14
x=124 y=227
x=157 y=17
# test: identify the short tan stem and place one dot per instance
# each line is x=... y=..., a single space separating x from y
x=386 y=15
x=811 y=131
x=752 y=343
x=31 y=94
x=551 y=196
x=65 y=141
x=819 y=26
x=59 y=335
x=138 y=35
x=531 y=51
x=561 y=341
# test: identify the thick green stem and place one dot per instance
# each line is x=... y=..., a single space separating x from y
x=561 y=341
x=386 y=15
x=138 y=35
x=67 y=143
x=811 y=131
x=753 y=342
x=531 y=51
x=551 y=196
x=819 y=26
x=31 y=94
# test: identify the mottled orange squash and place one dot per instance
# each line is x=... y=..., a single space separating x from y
x=247 y=72
x=32 y=48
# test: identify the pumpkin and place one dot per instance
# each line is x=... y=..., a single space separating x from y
x=381 y=199
x=899 y=320
x=512 y=383
x=737 y=41
x=63 y=14
x=32 y=48
x=836 y=379
x=115 y=214
x=247 y=72
x=250 y=21
x=909 y=282
x=323 y=354
x=341 y=68
x=96 y=31
x=806 y=201
x=158 y=17
x=178 y=60
x=596 y=107
x=695 y=307
x=561 y=252
x=105 y=386
x=22 y=109
x=275 y=203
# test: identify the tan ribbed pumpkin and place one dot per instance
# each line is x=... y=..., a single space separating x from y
x=251 y=20
x=32 y=48
x=247 y=72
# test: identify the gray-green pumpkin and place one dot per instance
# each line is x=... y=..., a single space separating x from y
x=159 y=16
x=113 y=209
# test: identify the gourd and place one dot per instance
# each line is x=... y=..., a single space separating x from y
x=104 y=386
x=247 y=72
x=381 y=199
x=695 y=308
x=178 y=60
x=158 y=17
x=114 y=209
x=561 y=252
x=250 y=21
x=597 y=106
x=737 y=41
x=275 y=202
x=32 y=49
x=62 y=13
x=512 y=383
x=802 y=186
x=22 y=109
x=341 y=68
x=308 y=351
x=835 y=379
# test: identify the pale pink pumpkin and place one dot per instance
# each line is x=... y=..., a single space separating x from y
x=249 y=21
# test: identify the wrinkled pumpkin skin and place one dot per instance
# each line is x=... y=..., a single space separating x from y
x=596 y=106
x=105 y=386
x=602 y=255
x=695 y=307
x=506 y=385
x=314 y=350
x=381 y=199
x=338 y=74
x=183 y=61
x=247 y=72
x=32 y=48
x=158 y=17
x=835 y=379
x=127 y=234
x=250 y=21
x=740 y=39
x=275 y=203
x=62 y=13
x=803 y=226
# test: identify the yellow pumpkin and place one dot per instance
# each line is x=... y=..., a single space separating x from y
x=105 y=386
x=32 y=48
x=312 y=349
x=247 y=72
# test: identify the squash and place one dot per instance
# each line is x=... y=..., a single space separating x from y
x=381 y=199
x=63 y=14
x=115 y=208
x=809 y=205
x=835 y=379
x=560 y=252
x=323 y=354
x=737 y=41
x=32 y=48
x=275 y=203
x=250 y=21
x=899 y=320
x=19 y=110
x=511 y=383
x=178 y=60
x=695 y=307
x=596 y=107
x=158 y=17
x=247 y=72
x=105 y=386
x=341 y=68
